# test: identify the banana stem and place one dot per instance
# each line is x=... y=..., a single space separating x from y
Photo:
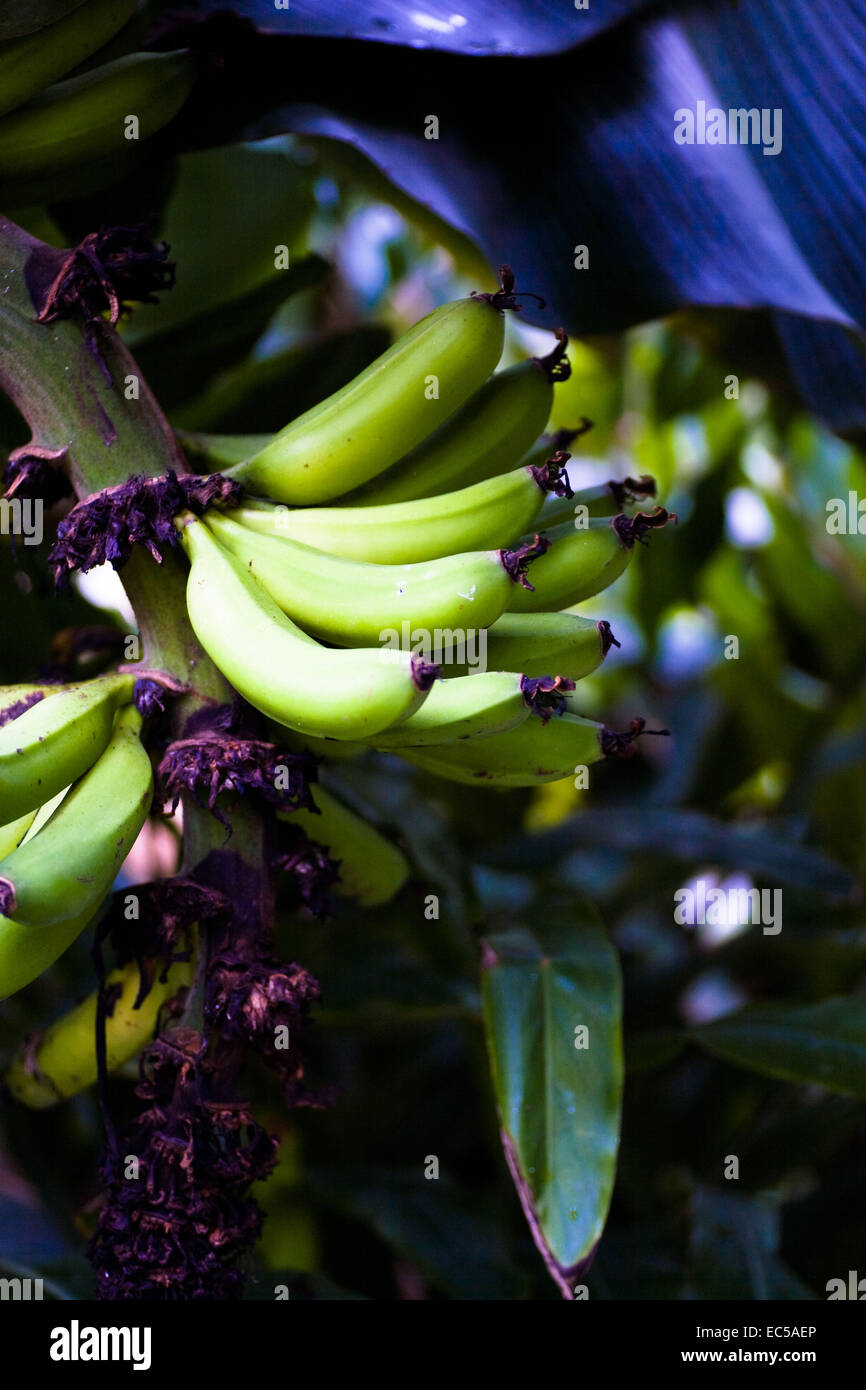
x=97 y=409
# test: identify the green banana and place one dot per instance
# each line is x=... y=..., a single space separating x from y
x=524 y=756
x=470 y=707
x=580 y=563
x=130 y=39
x=56 y=740
x=531 y=753
x=577 y=565
x=389 y=408
x=33 y=62
x=14 y=699
x=474 y=518
x=338 y=748
x=84 y=118
x=372 y=869
x=41 y=816
x=277 y=668
x=218 y=451
x=602 y=499
x=61 y=1061
x=13 y=833
x=352 y=603
x=25 y=953
x=67 y=868
x=489 y=435
x=540 y=642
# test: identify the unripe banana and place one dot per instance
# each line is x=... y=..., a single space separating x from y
x=372 y=869
x=43 y=815
x=580 y=563
x=13 y=833
x=25 y=954
x=56 y=740
x=531 y=753
x=84 y=117
x=218 y=451
x=540 y=642
x=67 y=868
x=132 y=38
x=62 y=1061
x=338 y=748
x=33 y=62
x=471 y=707
x=475 y=518
x=281 y=671
x=522 y=757
x=389 y=408
x=15 y=699
x=602 y=499
x=490 y=434
x=577 y=565
x=352 y=603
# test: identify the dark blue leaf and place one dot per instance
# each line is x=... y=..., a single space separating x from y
x=513 y=27
x=537 y=156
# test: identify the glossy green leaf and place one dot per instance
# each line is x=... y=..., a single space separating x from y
x=183 y=360
x=260 y=396
x=559 y=1100
x=822 y=1044
x=229 y=211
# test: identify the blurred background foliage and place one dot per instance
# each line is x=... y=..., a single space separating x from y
x=736 y=1042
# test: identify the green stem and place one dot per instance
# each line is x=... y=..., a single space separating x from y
x=111 y=429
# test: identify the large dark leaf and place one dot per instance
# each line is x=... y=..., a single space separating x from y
x=537 y=156
x=733 y=1249
x=690 y=836
x=513 y=27
x=185 y=358
x=442 y=1229
x=559 y=1103
x=823 y=1044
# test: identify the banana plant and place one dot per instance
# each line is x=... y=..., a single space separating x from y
x=237 y=640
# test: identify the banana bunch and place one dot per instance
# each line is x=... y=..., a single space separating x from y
x=384 y=584
x=53 y=114
x=75 y=789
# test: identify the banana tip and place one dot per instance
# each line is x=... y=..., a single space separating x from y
x=608 y=640
x=631 y=529
x=424 y=673
x=545 y=695
x=622 y=744
x=7 y=898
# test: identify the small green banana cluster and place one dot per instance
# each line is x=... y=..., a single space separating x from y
x=75 y=789
x=61 y=1060
x=384 y=542
x=68 y=91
